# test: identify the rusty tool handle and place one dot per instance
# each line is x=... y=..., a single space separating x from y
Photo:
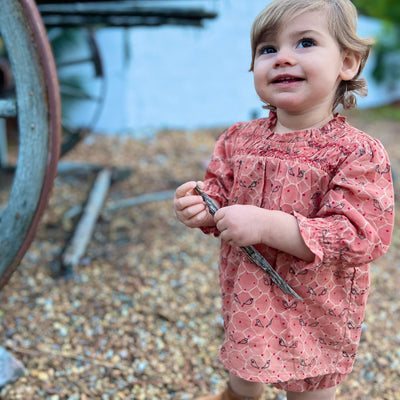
x=251 y=253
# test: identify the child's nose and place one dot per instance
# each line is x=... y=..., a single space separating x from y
x=285 y=56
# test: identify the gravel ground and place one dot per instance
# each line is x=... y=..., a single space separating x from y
x=139 y=318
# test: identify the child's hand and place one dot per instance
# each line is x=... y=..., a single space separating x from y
x=240 y=225
x=190 y=208
x=246 y=225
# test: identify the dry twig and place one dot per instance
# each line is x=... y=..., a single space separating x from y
x=252 y=254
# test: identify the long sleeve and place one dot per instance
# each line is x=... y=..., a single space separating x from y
x=219 y=174
x=355 y=221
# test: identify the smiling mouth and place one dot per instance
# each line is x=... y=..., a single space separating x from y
x=287 y=79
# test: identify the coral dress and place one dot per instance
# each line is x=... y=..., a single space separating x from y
x=337 y=182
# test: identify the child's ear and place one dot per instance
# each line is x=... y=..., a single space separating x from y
x=350 y=65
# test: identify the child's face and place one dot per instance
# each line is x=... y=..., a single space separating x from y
x=299 y=68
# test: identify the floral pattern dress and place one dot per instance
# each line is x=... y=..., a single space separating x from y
x=337 y=182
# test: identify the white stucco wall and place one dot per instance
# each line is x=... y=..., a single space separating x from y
x=187 y=77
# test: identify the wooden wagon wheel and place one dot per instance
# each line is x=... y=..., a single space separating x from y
x=37 y=108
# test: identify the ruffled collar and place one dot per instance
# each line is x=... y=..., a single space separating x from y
x=336 y=124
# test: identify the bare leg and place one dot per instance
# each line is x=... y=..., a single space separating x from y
x=245 y=388
x=323 y=394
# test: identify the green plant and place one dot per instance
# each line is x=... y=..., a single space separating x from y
x=387 y=64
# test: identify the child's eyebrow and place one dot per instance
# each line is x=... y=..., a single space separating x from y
x=305 y=32
x=269 y=37
x=313 y=33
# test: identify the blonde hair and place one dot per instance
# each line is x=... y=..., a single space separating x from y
x=342 y=24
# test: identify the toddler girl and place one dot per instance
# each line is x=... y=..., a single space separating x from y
x=311 y=193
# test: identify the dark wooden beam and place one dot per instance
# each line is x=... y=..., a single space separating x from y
x=71 y=21
x=120 y=13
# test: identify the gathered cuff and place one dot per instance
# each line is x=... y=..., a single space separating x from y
x=311 y=234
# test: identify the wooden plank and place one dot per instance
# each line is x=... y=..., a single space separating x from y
x=114 y=9
x=122 y=13
x=71 y=21
x=141 y=199
x=84 y=230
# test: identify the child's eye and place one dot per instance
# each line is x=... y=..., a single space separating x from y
x=267 y=50
x=306 y=43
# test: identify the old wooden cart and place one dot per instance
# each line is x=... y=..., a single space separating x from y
x=30 y=95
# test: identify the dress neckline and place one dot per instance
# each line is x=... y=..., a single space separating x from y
x=338 y=121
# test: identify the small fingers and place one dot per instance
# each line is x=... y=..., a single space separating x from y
x=182 y=203
x=185 y=189
x=198 y=219
x=220 y=220
x=193 y=210
x=189 y=207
